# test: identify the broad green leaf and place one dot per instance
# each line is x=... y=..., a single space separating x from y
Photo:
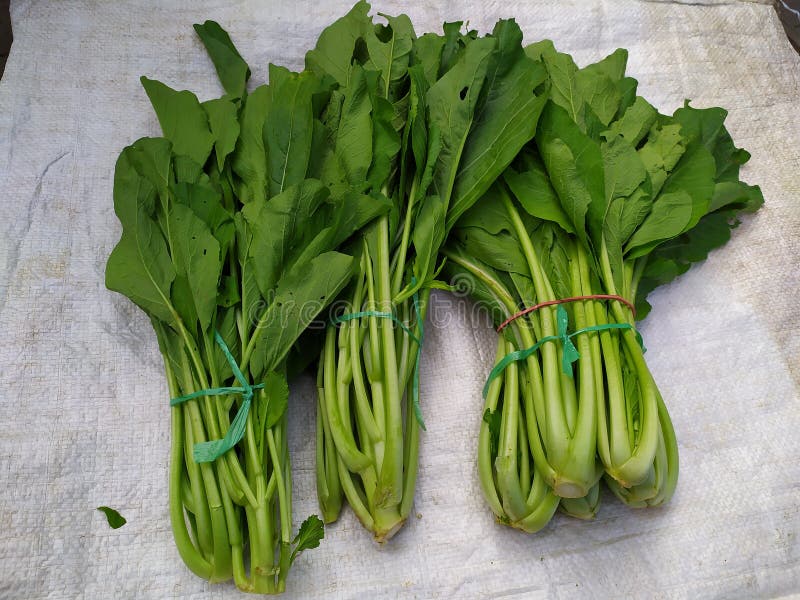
x=574 y=163
x=708 y=127
x=354 y=136
x=315 y=242
x=533 y=191
x=634 y=124
x=132 y=192
x=232 y=69
x=150 y=158
x=428 y=236
x=600 y=93
x=612 y=66
x=487 y=232
x=748 y=198
x=322 y=151
x=569 y=183
x=301 y=294
x=694 y=174
x=417 y=130
x=141 y=269
x=501 y=251
x=182 y=120
x=425 y=140
x=224 y=123
x=281 y=229
x=658 y=271
x=489 y=213
x=206 y=203
x=326 y=165
x=289 y=127
x=276 y=392
x=614 y=236
x=389 y=50
x=603 y=87
x=627 y=87
x=564 y=90
x=333 y=53
x=661 y=152
x=526 y=293
x=505 y=119
x=714 y=230
x=353 y=211
x=185 y=170
x=431 y=160
x=674 y=257
x=453 y=46
x=538 y=50
x=336 y=220
x=633 y=211
x=228 y=294
x=427 y=52
x=249 y=293
x=624 y=171
x=197 y=265
x=669 y=216
x=552 y=247
x=452 y=102
x=249 y=157
x=385 y=139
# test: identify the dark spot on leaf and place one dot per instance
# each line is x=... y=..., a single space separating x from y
x=204 y=251
x=360 y=52
x=384 y=33
x=463 y=93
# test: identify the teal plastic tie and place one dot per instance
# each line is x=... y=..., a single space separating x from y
x=410 y=334
x=570 y=353
x=205 y=452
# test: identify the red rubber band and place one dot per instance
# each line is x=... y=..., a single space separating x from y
x=535 y=307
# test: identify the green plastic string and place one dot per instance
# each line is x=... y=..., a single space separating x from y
x=570 y=353
x=205 y=452
x=409 y=333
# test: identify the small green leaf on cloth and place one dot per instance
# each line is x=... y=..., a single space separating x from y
x=115 y=520
x=311 y=533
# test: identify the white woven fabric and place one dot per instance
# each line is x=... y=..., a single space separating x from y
x=82 y=392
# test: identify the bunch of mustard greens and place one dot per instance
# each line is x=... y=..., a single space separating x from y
x=609 y=198
x=425 y=124
x=389 y=158
x=229 y=242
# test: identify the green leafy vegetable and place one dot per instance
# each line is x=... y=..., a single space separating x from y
x=427 y=125
x=389 y=158
x=612 y=198
x=231 y=248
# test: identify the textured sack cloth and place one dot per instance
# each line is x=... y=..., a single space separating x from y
x=84 y=400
